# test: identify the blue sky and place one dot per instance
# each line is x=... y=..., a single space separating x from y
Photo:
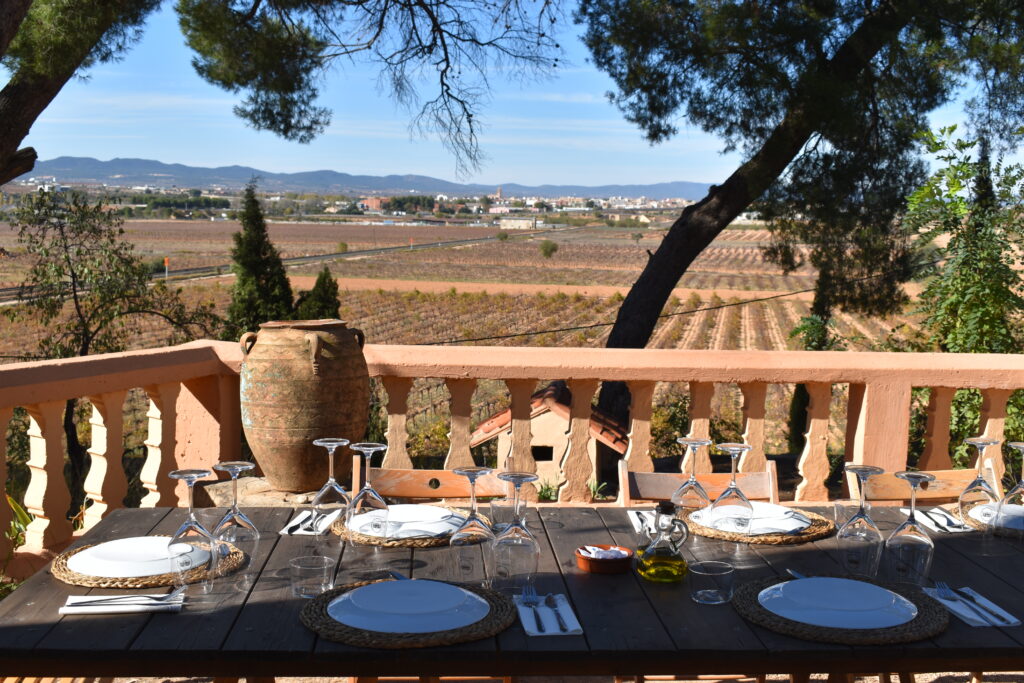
x=561 y=130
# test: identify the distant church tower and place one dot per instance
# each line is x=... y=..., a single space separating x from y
x=497 y=194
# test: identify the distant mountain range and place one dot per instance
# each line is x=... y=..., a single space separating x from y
x=137 y=172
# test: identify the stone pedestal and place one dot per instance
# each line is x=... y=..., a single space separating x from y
x=252 y=492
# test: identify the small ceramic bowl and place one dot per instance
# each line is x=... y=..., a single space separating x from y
x=615 y=565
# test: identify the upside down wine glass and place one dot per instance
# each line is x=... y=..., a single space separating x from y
x=236 y=529
x=1010 y=511
x=516 y=551
x=859 y=540
x=732 y=510
x=909 y=549
x=193 y=546
x=691 y=495
x=367 y=515
x=331 y=499
x=473 y=539
x=979 y=501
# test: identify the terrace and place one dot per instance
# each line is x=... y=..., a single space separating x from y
x=194 y=417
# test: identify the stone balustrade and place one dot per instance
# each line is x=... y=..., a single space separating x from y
x=194 y=411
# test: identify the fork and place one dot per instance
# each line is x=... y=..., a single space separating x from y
x=969 y=600
x=947 y=593
x=531 y=600
x=114 y=599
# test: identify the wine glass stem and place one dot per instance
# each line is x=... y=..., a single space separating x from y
x=863 y=482
x=472 y=494
x=693 y=463
x=980 y=463
x=330 y=463
x=234 y=490
x=515 y=499
x=190 y=483
x=732 y=482
x=913 y=501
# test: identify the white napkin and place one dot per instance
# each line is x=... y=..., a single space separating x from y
x=953 y=524
x=967 y=615
x=601 y=553
x=122 y=605
x=547 y=617
x=786 y=523
x=640 y=517
x=322 y=526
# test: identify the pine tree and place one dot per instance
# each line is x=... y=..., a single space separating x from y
x=261 y=291
x=321 y=301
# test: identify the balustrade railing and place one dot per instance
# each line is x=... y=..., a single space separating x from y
x=194 y=419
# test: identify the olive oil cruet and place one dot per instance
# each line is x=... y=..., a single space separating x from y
x=662 y=559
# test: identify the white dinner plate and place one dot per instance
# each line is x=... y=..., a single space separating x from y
x=413 y=606
x=130 y=557
x=768 y=519
x=837 y=603
x=408 y=521
x=1011 y=516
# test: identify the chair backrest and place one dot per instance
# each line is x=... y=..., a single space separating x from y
x=888 y=488
x=424 y=484
x=637 y=487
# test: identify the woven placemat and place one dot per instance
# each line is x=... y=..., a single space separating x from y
x=954 y=510
x=820 y=527
x=314 y=617
x=234 y=559
x=932 y=618
x=339 y=528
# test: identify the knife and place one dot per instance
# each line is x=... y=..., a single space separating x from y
x=296 y=523
x=1001 y=619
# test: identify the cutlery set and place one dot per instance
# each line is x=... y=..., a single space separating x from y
x=529 y=598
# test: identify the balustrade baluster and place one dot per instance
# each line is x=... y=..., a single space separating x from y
x=106 y=484
x=936 y=431
x=6 y=514
x=882 y=425
x=461 y=402
x=638 y=455
x=47 y=495
x=520 y=451
x=814 y=465
x=754 y=395
x=160 y=443
x=701 y=394
x=398 y=389
x=578 y=466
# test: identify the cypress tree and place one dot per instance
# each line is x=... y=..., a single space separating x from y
x=321 y=301
x=261 y=291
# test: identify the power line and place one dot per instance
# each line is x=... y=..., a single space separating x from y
x=663 y=315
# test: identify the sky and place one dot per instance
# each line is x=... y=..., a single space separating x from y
x=563 y=130
x=152 y=105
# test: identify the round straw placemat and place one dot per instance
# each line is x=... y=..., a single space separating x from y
x=314 y=617
x=954 y=510
x=339 y=528
x=234 y=559
x=932 y=618
x=820 y=527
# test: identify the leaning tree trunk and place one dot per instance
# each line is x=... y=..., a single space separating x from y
x=701 y=223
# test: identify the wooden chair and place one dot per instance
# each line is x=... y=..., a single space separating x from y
x=642 y=487
x=423 y=484
x=888 y=489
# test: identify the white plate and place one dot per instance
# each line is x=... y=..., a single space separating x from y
x=415 y=606
x=1011 y=516
x=837 y=603
x=130 y=557
x=768 y=519
x=408 y=521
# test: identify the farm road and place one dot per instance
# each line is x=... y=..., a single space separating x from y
x=438 y=287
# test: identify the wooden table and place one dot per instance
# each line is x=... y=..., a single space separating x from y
x=630 y=626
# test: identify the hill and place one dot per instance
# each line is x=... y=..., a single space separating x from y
x=137 y=172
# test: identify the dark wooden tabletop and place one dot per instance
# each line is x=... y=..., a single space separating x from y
x=630 y=626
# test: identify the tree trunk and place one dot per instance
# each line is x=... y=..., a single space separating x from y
x=78 y=459
x=701 y=223
x=12 y=13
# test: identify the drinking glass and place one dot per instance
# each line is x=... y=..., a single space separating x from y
x=859 y=540
x=367 y=514
x=909 y=550
x=237 y=529
x=193 y=545
x=472 y=539
x=1010 y=511
x=515 y=550
x=980 y=493
x=691 y=495
x=332 y=497
x=731 y=505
